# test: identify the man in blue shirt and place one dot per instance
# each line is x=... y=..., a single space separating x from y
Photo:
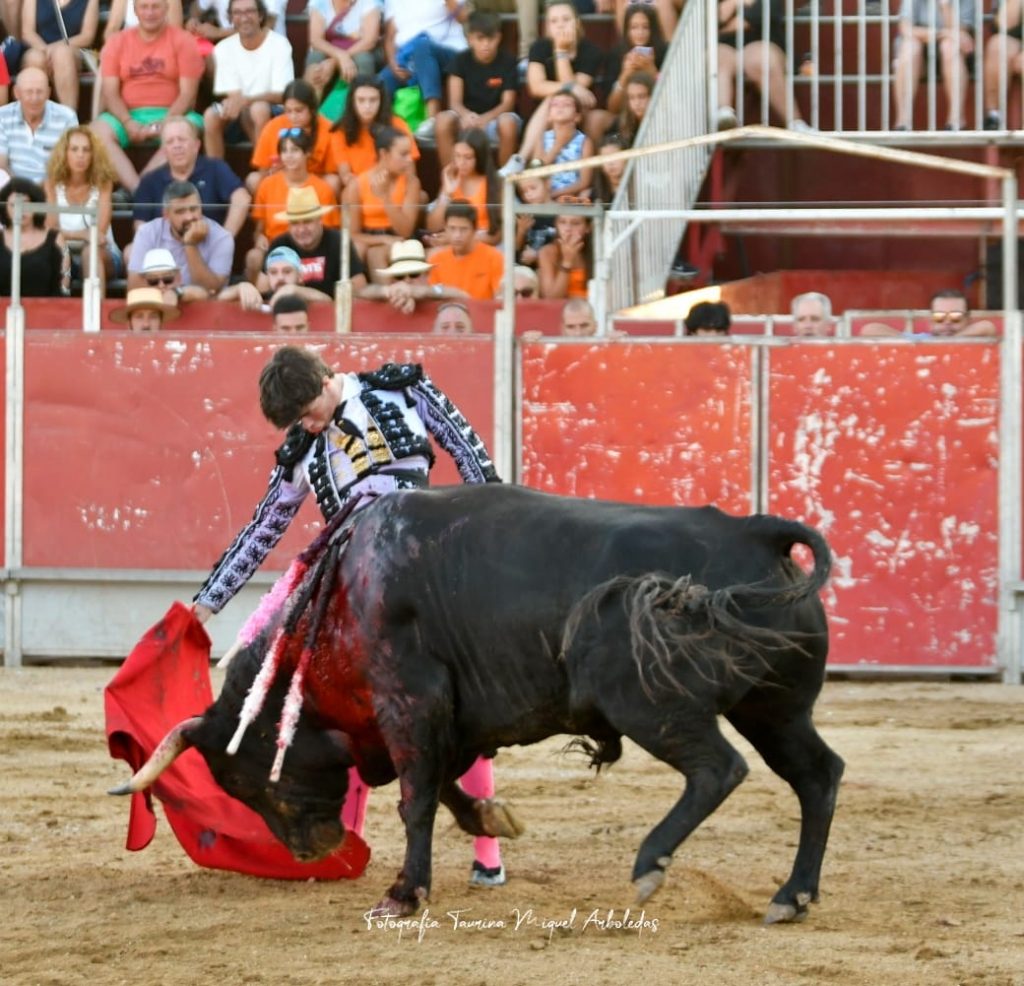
x=31 y=125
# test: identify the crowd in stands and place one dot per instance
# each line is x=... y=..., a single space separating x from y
x=185 y=92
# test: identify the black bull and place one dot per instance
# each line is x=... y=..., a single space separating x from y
x=469 y=618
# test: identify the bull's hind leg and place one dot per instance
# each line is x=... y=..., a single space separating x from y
x=795 y=751
x=690 y=741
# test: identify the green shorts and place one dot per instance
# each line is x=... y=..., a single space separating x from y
x=146 y=115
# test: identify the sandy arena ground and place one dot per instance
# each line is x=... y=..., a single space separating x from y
x=923 y=883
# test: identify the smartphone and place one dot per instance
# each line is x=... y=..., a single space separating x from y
x=644 y=50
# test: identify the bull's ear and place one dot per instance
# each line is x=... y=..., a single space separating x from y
x=340 y=742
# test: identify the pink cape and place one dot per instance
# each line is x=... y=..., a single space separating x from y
x=166 y=679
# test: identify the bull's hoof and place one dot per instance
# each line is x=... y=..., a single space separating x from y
x=788 y=913
x=389 y=907
x=651 y=882
x=499 y=820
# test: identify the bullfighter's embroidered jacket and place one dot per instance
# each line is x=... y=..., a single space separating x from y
x=377 y=443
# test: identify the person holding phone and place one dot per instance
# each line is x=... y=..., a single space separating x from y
x=642 y=49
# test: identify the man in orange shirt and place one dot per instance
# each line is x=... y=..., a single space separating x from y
x=149 y=72
x=466 y=262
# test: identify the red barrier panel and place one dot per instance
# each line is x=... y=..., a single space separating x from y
x=150 y=451
x=651 y=423
x=892 y=452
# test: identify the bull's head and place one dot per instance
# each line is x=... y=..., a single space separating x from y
x=302 y=809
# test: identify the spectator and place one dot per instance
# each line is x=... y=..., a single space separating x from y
x=757 y=50
x=951 y=316
x=145 y=310
x=642 y=49
x=928 y=25
x=160 y=270
x=636 y=98
x=31 y=126
x=562 y=142
x=533 y=232
x=565 y=264
x=667 y=12
x=202 y=249
x=421 y=39
x=470 y=176
x=708 y=318
x=209 y=22
x=367 y=108
x=224 y=199
x=273 y=192
x=466 y=263
x=122 y=16
x=149 y=72
x=578 y=318
x=384 y=203
x=318 y=248
x=564 y=58
x=283 y=270
x=45 y=261
x=343 y=39
x=608 y=177
x=482 y=91
x=1006 y=28
x=291 y=314
x=528 y=14
x=404 y=281
x=80 y=173
x=452 y=319
x=42 y=43
x=300 y=111
x=812 y=314
x=10 y=14
x=526 y=282
x=253 y=67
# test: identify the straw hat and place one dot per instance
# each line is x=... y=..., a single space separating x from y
x=144 y=298
x=303 y=205
x=407 y=257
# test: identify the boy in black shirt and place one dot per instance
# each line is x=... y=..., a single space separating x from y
x=482 y=91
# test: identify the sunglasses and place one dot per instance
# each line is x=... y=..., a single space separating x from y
x=403 y=277
x=292 y=132
x=948 y=316
x=524 y=292
x=166 y=279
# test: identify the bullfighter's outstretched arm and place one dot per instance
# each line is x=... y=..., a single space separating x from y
x=256 y=540
x=453 y=432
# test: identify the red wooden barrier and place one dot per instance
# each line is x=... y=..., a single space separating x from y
x=643 y=422
x=150 y=451
x=892 y=452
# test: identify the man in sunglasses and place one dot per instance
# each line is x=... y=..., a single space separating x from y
x=160 y=271
x=950 y=317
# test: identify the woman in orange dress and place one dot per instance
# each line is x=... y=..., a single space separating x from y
x=367 y=107
x=300 y=110
x=382 y=204
x=271 y=197
x=470 y=175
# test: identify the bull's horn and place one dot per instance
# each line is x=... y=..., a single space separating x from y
x=230 y=655
x=170 y=748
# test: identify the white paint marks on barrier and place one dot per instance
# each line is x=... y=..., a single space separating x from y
x=110 y=520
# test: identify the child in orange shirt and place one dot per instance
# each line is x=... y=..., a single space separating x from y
x=366 y=107
x=272 y=196
x=300 y=110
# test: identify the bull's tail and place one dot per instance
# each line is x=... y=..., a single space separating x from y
x=676 y=623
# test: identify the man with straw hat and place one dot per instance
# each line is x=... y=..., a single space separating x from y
x=318 y=248
x=144 y=310
x=406 y=280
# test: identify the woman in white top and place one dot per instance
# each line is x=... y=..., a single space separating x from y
x=80 y=173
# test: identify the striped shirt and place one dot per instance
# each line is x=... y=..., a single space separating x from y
x=28 y=152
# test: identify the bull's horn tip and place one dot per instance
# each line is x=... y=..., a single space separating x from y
x=121 y=789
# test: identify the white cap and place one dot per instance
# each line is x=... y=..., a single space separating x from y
x=158 y=259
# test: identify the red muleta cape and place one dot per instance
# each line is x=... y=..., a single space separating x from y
x=166 y=679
